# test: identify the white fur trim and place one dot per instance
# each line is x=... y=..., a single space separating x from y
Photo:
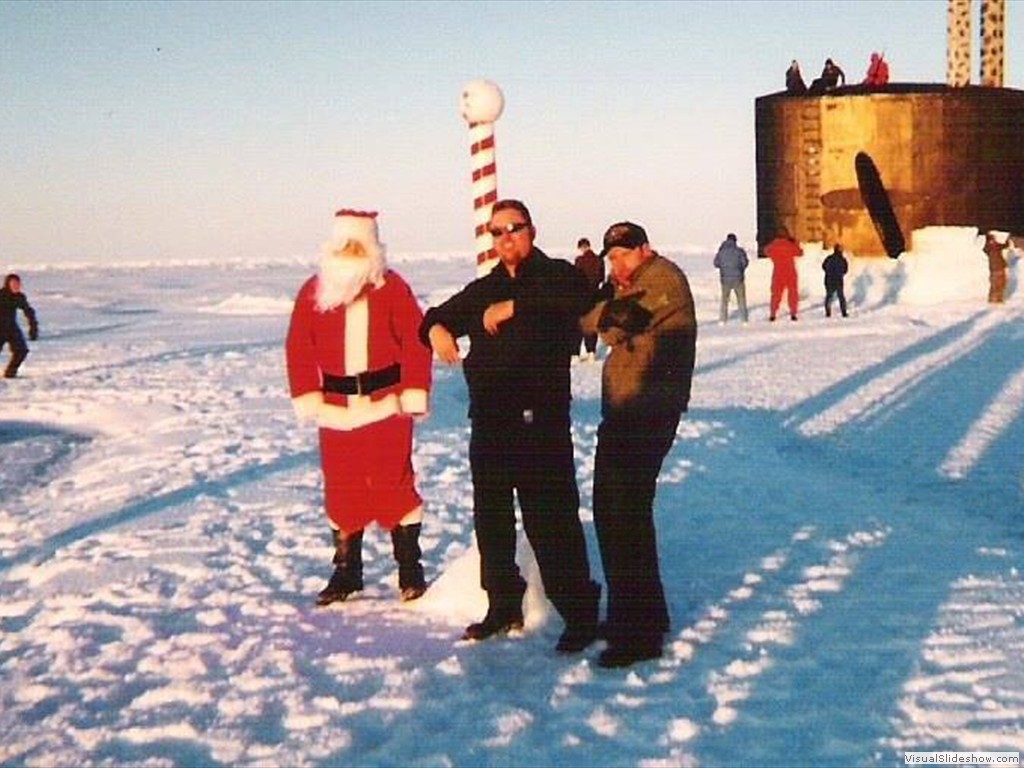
x=362 y=229
x=308 y=406
x=357 y=336
x=414 y=401
x=416 y=516
x=360 y=412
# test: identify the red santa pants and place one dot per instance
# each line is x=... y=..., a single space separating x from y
x=368 y=474
x=784 y=281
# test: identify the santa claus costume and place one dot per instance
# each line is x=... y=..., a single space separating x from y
x=357 y=368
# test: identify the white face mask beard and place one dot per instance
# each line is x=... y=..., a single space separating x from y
x=342 y=277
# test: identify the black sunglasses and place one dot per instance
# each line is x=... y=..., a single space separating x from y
x=509 y=229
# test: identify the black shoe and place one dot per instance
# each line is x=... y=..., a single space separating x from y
x=615 y=656
x=494 y=624
x=771 y=319
x=338 y=589
x=581 y=620
x=575 y=638
x=792 y=317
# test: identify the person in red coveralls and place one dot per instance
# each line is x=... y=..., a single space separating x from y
x=357 y=368
x=878 y=71
x=783 y=251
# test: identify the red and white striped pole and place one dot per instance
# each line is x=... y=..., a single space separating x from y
x=481 y=105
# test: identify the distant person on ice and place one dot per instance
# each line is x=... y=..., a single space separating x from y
x=357 y=368
x=522 y=320
x=650 y=325
x=592 y=267
x=784 y=251
x=11 y=300
x=878 y=71
x=732 y=261
x=835 y=267
x=829 y=79
x=996 y=269
x=795 y=85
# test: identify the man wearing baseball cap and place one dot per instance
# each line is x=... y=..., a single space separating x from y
x=651 y=328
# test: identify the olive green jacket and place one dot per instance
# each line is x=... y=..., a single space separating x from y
x=650 y=371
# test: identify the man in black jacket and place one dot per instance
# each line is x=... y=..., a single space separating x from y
x=591 y=266
x=522 y=321
x=11 y=300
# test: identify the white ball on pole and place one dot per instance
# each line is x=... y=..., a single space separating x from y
x=481 y=102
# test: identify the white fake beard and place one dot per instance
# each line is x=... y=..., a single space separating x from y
x=342 y=278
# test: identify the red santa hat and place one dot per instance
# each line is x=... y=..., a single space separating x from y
x=361 y=226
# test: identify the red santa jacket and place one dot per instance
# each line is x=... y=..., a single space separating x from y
x=783 y=252
x=373 y=332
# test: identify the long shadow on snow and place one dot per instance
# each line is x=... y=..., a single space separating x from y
x=33 y=453
x=183 y=354
x=907 y=442
x=842 y=679
x=834 y=394
x=218 y=487
x=74 y=333
x=704 y=368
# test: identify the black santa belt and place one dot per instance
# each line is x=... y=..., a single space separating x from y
x=363 y=383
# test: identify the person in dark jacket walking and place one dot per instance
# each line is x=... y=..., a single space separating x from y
x=651 y=327
x=522 y=321
x=835 y=267
x=592 y=267
x=11 y=300
x=732 y=261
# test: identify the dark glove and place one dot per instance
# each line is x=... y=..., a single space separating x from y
x=625 y=313
x=605 y=293
x=33 y=333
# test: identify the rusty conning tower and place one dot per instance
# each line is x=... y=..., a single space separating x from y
x=866 y=166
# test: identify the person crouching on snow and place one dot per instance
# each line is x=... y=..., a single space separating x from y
x=357 y=368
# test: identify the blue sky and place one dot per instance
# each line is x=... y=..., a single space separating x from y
x=224 y=130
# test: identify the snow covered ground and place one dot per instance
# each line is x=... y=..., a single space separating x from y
x=840 y=523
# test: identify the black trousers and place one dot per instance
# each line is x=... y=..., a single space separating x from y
x=19 y=350
x=534 y=460
x=630 y=452
x=834 y=290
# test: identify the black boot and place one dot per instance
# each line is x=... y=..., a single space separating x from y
x=581 y=624
x=17 y=358
x=405 y=539
x=504 y=614
x=348 y=568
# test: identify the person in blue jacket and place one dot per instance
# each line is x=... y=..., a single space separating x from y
x=732 y=261
x=11 y=300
